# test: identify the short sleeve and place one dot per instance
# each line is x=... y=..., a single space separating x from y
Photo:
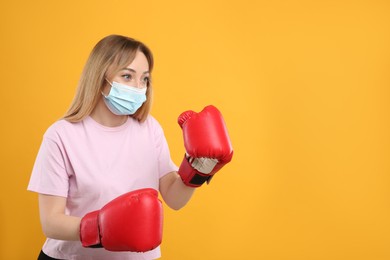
x=165 y=163
x=49 y=174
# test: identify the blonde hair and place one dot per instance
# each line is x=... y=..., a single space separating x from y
x=110 y=53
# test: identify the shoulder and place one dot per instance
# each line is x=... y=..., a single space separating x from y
x=60 y=128
x=151 y=120
x=152 y=123
x=153 y=127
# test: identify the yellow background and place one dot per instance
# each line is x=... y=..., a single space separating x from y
x=304 y=89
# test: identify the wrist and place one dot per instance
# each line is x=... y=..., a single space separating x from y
x=191 y=176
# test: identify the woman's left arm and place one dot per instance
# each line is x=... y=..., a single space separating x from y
x=174 y=192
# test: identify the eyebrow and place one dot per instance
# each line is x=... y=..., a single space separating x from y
x=129 y=69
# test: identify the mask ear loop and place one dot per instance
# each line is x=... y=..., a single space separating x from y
x=108 y=82
x=110 y=85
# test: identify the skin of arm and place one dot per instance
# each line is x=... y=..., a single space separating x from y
x=174 y=192
x=55 y=224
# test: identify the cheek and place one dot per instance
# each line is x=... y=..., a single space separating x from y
x=106 y=89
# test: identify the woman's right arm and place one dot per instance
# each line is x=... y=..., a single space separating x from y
x=55 y=224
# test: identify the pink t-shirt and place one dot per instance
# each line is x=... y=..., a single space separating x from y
x=91 y=164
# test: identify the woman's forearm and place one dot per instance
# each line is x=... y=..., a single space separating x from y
x=174 y=192
x=55 y=224
x=62 y=227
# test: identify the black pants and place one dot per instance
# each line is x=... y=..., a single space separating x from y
x=43 y=256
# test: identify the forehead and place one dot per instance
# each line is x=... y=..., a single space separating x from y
x=139 y=62
x=136 y=62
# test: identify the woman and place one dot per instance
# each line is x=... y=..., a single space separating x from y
x=73 y=173
x=106 y=145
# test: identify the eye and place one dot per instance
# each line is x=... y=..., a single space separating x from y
x=146 y=79
x=127 y=76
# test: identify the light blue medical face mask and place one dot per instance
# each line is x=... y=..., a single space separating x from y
x=123 y=99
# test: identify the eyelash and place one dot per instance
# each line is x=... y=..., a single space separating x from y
x=129 y=77
x=147 y=79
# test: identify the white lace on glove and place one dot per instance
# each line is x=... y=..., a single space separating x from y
x=202 y=164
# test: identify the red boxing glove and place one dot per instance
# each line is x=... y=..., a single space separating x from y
x=207 y=145
x=131 y=222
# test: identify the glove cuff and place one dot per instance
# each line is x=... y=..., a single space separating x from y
x=190 y=176
x=89 y=230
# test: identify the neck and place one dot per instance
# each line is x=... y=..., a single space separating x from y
x=104 y=116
